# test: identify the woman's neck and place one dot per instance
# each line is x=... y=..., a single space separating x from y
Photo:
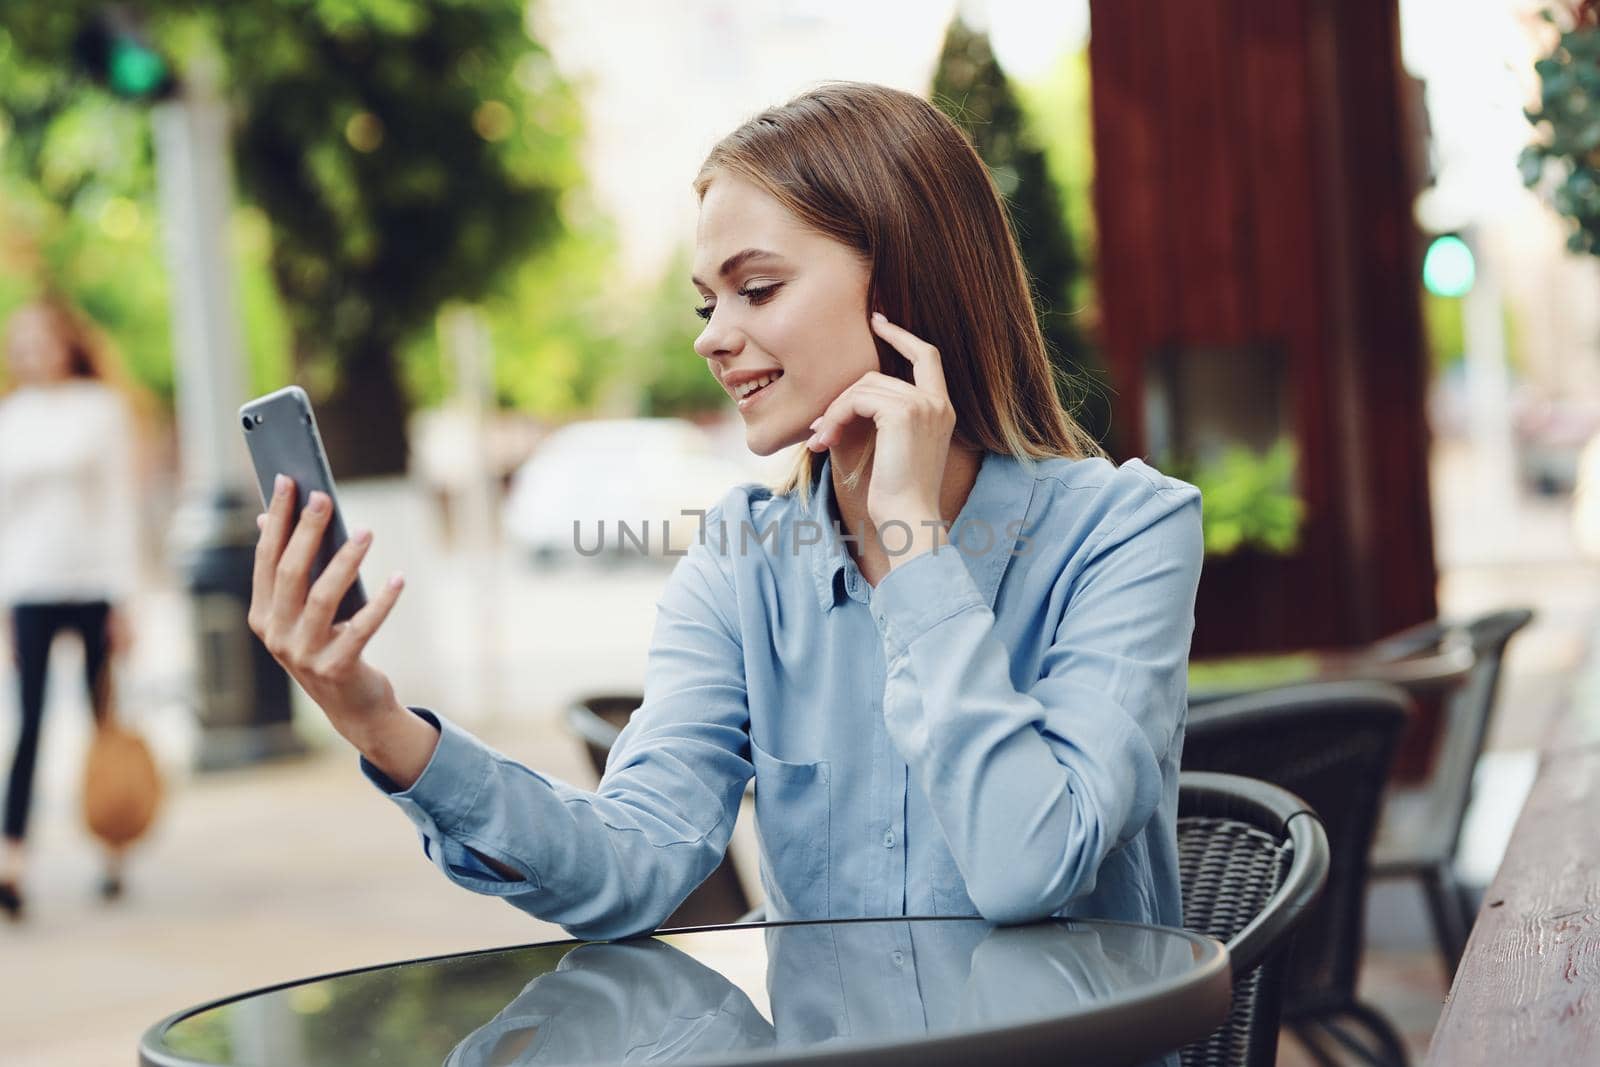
x=960 y=473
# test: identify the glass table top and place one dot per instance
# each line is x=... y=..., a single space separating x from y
x=764 y=993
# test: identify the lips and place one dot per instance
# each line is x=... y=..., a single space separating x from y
x=751 y=398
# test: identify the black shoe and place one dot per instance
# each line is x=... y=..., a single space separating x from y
x=10 y=901
x=110 y=887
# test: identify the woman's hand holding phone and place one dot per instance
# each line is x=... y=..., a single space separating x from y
x=293 y=617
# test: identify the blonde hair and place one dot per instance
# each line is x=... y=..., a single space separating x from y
x=891 y=177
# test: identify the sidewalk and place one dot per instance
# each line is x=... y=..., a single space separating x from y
x=253 y=878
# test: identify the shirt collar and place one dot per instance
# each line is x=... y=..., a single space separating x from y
x=995 y=508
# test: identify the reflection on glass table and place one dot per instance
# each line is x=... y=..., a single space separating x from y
x=923 y=991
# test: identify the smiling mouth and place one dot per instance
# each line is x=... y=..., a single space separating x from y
x=749 y=397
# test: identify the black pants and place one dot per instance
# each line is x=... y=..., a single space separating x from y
x=34 y=628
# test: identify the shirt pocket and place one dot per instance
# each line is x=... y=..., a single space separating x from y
x=792 y=811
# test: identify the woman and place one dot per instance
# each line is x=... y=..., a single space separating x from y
x=951 y=647
x=68 y=533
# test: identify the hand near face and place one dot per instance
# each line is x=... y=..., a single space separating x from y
x=914 y=423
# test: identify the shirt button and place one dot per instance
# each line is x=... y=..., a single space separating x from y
x=898 y=957
x=888 y=839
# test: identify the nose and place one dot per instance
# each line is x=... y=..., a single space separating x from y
x=720 y=338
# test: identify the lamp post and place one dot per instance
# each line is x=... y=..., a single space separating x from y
x=243 y=694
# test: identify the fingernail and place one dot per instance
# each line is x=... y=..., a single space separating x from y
x=811 y=444
x=815 y=421
x=319 y=503
x=362 y=537
x=397 y=581
x=877 y=316
x=261 y=522
x=280 y=484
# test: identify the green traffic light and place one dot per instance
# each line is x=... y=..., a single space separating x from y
x=1449 y=269
x=133 y=70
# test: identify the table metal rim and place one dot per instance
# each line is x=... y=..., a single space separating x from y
x=152 y=1054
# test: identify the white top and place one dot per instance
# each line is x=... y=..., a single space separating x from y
x=68 y=511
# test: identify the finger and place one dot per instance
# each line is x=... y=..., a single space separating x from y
x=328 y=590
x=852 y=404
x=355 y=632
x=269 y=547
x=294 y=566
x=839 y=413
x=927 y=368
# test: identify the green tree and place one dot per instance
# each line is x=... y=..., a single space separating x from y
x=674 y=377
x=971 y=88
x=405 y=153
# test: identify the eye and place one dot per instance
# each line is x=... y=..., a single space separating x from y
x=755 y=295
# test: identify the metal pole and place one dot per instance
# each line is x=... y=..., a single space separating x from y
x=243 y=694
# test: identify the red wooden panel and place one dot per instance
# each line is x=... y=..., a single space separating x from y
x=1201 y=186
x=1251 y=190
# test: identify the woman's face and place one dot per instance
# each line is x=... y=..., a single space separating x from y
x=799 y=308
x=36 y=354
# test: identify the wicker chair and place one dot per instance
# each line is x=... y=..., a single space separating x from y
x=1330 y=744
x=597 y=721
x=1252 y=859
x=1419 y=833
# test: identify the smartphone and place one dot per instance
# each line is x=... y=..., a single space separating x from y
x=281 y=433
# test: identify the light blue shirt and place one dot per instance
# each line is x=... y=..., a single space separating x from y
x=994 y=729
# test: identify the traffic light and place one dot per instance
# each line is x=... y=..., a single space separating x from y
x=115 y=53
x=1449 y=268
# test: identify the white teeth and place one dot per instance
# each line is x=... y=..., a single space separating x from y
x=742 y=391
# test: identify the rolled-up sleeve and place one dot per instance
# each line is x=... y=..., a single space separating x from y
x=1033 y=788
x=619 y=860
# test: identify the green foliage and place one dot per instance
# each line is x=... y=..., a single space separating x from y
x=1059 y=115
x=676 y=379
x=397 y=155
x=1568 y=118
x=1247 y=499
x=971 y=88
x=553 y=328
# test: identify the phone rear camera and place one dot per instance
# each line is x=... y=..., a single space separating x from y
x=249 y=423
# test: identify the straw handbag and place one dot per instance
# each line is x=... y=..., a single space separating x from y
x=121 y=785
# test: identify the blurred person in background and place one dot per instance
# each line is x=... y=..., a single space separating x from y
x=68 y=533
x=981 y=726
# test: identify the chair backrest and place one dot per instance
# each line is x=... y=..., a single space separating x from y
x=1252 y=859
x=1330 y=744
x=598 y=721
x=1469 y=711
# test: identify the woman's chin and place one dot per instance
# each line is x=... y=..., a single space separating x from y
x=763 y=442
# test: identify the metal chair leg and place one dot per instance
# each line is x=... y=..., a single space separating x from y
x=1449 y=924
x=1391 y=1046
x=1311 y=1041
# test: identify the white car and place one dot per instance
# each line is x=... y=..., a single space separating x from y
x=615 y=489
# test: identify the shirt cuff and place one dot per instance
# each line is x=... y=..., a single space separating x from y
x=449 y=784
x=921 y=593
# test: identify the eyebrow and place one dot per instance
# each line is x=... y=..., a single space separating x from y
x=737 y=260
